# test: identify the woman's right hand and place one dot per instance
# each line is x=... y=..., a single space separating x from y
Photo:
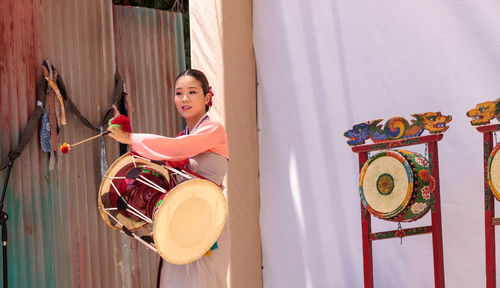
x=120 y=128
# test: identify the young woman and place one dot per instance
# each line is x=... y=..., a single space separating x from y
x=203 y=144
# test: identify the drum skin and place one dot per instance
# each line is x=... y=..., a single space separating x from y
x=493 y=169
x=396 y=185
x=189 y=220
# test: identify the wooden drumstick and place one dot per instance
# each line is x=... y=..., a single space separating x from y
x=66 y=147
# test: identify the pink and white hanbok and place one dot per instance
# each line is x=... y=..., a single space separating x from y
x=206 y=149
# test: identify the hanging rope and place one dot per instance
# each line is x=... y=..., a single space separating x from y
x=119 y=97
x=30 y=127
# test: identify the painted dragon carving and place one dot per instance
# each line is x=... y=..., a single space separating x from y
x=484 y=112
x=397 y=128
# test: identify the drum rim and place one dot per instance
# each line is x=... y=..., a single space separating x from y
x=117 y=162
x=492 y=155
x=398 y=155
x=199 y=254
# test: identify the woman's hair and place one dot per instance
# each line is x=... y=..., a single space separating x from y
x=198 y=75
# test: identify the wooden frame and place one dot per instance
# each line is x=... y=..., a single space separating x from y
x=435 y=229
x=489 y=207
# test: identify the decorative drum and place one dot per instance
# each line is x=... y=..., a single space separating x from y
x=493 y=176
x=131 y=188
x=396 y=186
x=139 y=197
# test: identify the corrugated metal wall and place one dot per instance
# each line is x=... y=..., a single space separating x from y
x=56 y=236
x=150 y=66
x=78 y=38
x=28 y=195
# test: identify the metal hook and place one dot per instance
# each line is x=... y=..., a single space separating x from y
x=427 y=151
x=400 y=232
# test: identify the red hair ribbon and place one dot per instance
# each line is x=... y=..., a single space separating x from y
x=209 y=104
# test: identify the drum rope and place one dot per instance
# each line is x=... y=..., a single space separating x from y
x=113 y=217
x=138 y=214
x=495 y=135
x=130 y=233
x=173 y=170
x=151 y=184
x=113 y=178
x=144 y=217
x=178 y=172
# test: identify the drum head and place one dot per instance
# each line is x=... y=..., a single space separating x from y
x=386 y=184
x=189 y=221
x=114 y=180
x=494 y=172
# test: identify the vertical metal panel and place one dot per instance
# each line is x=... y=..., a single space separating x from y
x=56 y=235
x=77 y=36
x=149 y=54
x=149 y=47
x=18 y=75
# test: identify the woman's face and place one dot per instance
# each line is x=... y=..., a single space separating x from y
x=189 y=98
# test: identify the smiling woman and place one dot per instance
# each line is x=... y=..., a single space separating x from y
x=202 y=150
x=193 y=96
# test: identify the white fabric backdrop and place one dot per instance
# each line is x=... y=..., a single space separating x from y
x=325 y=65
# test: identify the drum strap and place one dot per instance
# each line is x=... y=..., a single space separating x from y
x=127 y=231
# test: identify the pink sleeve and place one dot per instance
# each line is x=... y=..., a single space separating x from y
x=210 y=137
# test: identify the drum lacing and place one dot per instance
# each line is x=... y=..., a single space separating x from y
x=125 y=230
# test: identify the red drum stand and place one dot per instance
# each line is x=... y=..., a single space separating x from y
x=435 y=229
x=489 y=203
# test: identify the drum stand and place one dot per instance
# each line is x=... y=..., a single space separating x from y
x=435 y=228
x=489 y=203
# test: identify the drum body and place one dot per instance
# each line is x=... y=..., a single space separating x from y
x=138 y=196
x=493 y=169
x=396 y=185
x=129 y=179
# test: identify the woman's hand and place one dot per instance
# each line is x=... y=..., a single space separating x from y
x=119 y=126
x=119 y=135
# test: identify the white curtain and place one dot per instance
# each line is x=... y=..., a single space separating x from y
x=324 y=65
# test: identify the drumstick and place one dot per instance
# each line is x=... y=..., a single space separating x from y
x=66 y=147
